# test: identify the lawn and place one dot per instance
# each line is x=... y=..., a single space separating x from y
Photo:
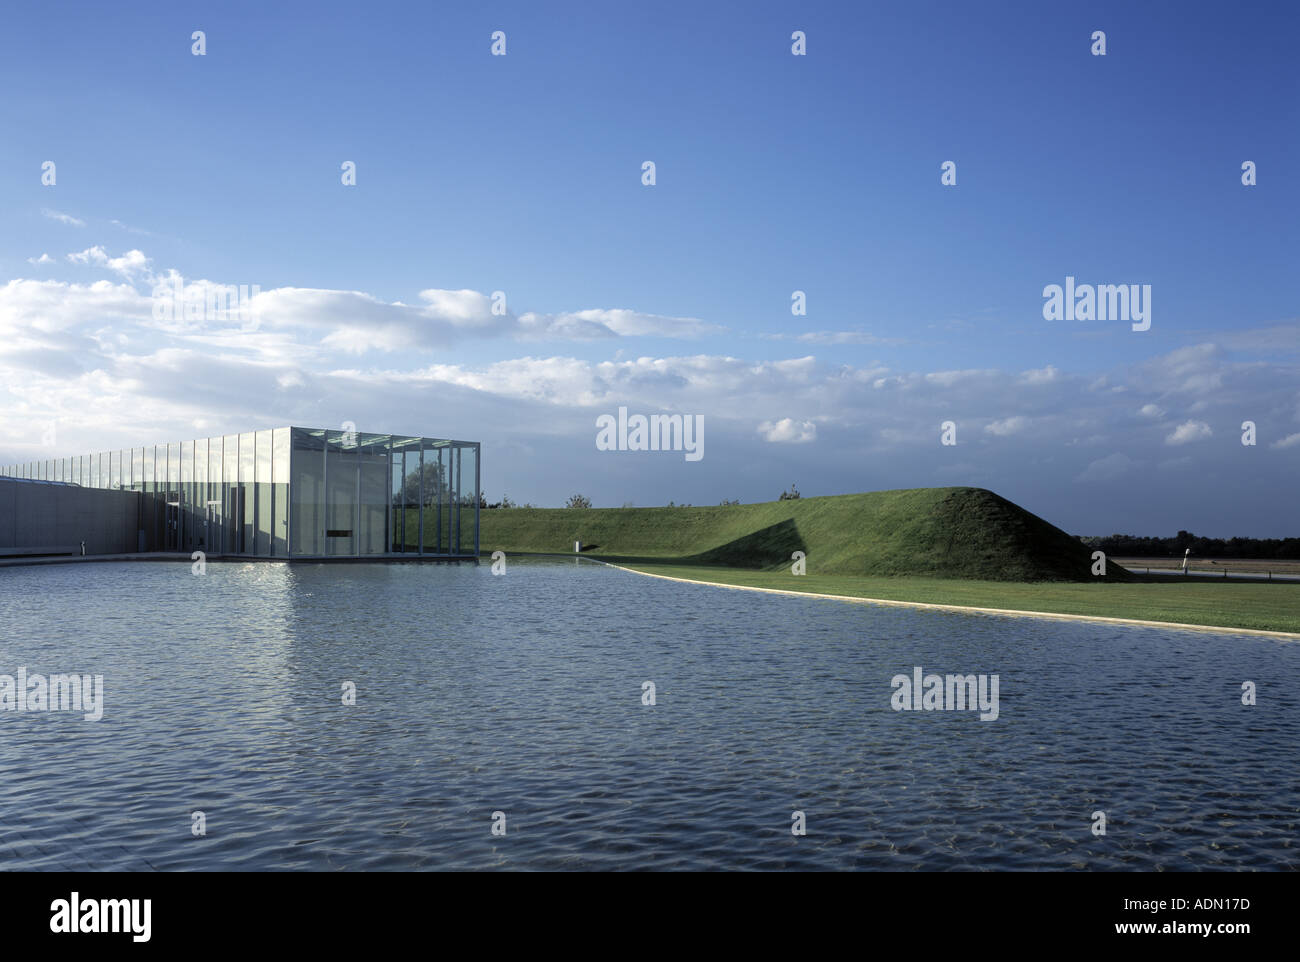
x=1189 y=600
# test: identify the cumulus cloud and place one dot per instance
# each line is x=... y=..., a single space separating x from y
x=1007 y=426
x=720 y=386
x=1044 y=375
x=1188 y=432
x=596 y=323
x=464 y=308
x=357 y=322
x=132 y=264
x=1290 y=441
x=43 y=259
x=950 y=378
x=93 y=358
x=1197 y=369
x=55 y=305
x=788 y=431
x=1108 y=468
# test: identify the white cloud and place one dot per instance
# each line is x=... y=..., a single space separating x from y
x=1007 y=426
x=130 y=265
x=63 y=218
x=788 y=431
x=56 y=305
x=1188 y=432
x=835 y=337
x=1290 y=441
x=1045 y=375
x=356 y=322
x=43 y=259
x=1197 y=369
x=463 y=308
x=130 y=230
x=92 y=358
x=601 y=323
x=719 y=386
x=950 y=378
x=1108 y=468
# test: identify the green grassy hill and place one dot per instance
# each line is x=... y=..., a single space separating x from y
x=941 y=532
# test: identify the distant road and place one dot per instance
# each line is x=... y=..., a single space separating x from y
x=1250 y=569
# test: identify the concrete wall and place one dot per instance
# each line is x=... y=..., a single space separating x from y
x=55 y=515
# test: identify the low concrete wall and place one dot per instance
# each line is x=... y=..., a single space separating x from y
x=62 y=515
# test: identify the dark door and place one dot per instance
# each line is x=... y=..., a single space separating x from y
x=172 y=527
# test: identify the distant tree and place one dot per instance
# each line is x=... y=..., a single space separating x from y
x=506 y=502
x=791 y=495
x=728 y=504
x=434 y=477
x=628 y=504
x=578 y=501
x=1142 y=546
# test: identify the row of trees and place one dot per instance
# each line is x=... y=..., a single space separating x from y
x=505 y=502
x=430 y=482
x=582 y=501
x=1131 y=546
x=578 y=501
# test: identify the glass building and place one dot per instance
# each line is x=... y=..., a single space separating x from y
x=292 y=493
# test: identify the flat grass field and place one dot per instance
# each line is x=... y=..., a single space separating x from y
x=1190 y=600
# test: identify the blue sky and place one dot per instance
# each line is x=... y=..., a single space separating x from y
x=775 y=173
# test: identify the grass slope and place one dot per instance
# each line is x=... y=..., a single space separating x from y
x=938 y=532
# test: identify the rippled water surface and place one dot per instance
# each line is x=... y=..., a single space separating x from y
x=522 y=694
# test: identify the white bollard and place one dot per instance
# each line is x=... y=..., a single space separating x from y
x=577 y=547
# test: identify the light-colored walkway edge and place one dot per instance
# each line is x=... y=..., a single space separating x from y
x=1057 y=616
x=21 y=561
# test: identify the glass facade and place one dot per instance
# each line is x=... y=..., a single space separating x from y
x=292 y=493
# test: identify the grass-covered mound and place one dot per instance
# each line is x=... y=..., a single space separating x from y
x=941 y=532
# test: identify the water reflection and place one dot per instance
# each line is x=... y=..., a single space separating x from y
x=522 y=693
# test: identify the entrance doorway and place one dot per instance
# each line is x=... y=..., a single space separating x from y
x=172 y=527
x=212 y=540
